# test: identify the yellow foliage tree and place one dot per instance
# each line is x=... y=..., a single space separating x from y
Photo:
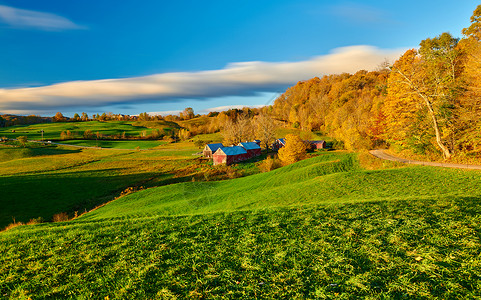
x=184 y=134
x=294 y=150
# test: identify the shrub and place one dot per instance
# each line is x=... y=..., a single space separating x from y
x=22 y=140
x=60 y=217
x=12 y=225
x=67 y=135
x=88 y=134
x=35 y=221
x=269 y=164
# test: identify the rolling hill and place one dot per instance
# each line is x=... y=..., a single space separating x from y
x=322 y=228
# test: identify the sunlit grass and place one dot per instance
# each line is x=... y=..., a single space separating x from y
x=52 y=131
x=323 y=228
x=387 y=249
x=131 y=145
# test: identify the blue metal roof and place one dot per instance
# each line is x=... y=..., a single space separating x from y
x=249 y=145
x=214 y=147
x=233 y=150
x=283 y=141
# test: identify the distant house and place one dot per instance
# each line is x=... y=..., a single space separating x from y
x=258 y=142
x=278 y=144
x=210 y=149
x=229 y=155
x=252 y=148
x=318 y=144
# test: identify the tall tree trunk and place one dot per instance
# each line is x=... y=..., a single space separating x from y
x=445 y=149
x=408 y=81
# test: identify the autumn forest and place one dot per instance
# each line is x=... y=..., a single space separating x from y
x=427 y=102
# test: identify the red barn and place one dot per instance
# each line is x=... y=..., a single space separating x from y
x=318 y=144
x=278 y=144
x=210 y=149
x=229 y=155
x=252 y=148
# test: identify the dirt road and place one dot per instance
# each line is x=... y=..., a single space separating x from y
x=383 y=155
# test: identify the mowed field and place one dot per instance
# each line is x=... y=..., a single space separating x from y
x=326 y=227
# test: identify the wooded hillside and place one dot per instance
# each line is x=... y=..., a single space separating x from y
x=428 y=101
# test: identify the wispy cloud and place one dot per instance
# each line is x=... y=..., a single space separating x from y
x=236 y=79
x=23 y=18
x=164 y=112
x=359 y=13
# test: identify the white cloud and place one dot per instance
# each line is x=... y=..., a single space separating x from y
x=164 y=112
x=23 y=18
x=244 y=78
x=227 y=107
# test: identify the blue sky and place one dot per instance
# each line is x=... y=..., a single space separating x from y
x=158 y=56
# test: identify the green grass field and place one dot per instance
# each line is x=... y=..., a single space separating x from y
x=113 y=144
x=43 y=181
x=321 y=228
x=52 y=131
x=40 y=181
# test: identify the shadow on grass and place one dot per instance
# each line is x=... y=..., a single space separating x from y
x=7 y=154
x=42 y=195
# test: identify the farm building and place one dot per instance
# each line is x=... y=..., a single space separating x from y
x=252 y=148
x=318 y=144
x=229 y=155
x=258 y=142
x=278 y=144
x=210 y=149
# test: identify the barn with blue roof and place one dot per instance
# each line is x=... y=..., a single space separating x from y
x=252 y=148
x=278 y=144
x=210 y=149
x=229 y=155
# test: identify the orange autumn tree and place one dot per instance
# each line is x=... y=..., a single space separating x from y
x=294 y=150
x=470 y=102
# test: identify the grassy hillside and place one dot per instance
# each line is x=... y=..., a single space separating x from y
x=321 y=228
x=328 y=178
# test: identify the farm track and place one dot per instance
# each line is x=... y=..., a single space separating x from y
x=379 y=153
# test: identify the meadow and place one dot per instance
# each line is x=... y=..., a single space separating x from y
x=52 y=131
x=114 y=144
x=326 y=227
x=38 y=182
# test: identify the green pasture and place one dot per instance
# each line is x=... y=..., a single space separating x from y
x=42 y=181
x=52 y=131
x=115 y=144
x=323 y=228
x=208 y=138
x=324 y=179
